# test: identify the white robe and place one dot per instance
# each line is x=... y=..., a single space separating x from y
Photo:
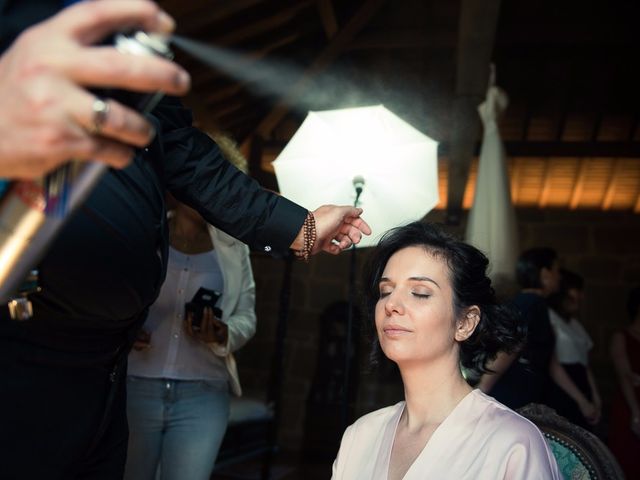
x=480 y=439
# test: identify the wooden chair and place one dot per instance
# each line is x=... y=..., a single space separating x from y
x=579 y=453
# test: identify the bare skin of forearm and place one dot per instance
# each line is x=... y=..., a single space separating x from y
x=499 y=365
x=595 y=393
x=559 y=375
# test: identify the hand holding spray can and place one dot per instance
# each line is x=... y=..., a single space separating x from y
x=32 y=212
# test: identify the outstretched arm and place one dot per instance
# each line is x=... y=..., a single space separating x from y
x=337 y=228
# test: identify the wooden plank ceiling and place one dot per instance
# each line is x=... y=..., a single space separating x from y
x=569 y=68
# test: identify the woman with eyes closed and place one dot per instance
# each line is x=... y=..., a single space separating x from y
x=436 y=312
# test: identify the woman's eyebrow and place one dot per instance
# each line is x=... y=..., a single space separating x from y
x=415 y=279
x=424 y=279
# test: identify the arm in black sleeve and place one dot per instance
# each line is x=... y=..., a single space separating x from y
x=197 y=174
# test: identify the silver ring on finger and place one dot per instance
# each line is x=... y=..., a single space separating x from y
x=100 y=111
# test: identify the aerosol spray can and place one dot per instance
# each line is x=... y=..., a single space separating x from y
x=32 y=212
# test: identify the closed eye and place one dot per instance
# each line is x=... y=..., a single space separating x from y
x=420 y=295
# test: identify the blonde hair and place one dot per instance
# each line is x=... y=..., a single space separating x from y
x=230 y=150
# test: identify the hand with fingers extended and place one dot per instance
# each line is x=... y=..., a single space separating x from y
x=211 y=329
x=49 y=116
x=336 y=229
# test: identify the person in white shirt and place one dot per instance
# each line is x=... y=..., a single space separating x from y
x=180 y=374
x=572 y=347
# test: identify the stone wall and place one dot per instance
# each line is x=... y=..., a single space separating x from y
x=602 y=246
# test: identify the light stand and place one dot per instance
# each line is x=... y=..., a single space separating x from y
x=358 y=185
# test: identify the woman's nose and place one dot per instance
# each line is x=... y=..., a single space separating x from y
x=393 y=304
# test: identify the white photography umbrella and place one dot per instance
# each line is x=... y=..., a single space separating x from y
x=397 y=163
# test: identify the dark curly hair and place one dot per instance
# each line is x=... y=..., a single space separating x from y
x=498 y=328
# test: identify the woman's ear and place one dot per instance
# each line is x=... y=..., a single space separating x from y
x=467 y=324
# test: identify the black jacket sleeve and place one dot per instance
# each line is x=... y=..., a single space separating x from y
x=197 y=174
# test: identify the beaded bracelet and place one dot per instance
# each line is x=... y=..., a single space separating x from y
x=309 y=236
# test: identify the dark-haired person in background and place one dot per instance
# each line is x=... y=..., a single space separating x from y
x=435 y=311
x=572 y=351
x=521 y=377
x=527 y=375
x=624 y=433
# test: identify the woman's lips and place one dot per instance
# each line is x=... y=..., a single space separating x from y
x=395 y=330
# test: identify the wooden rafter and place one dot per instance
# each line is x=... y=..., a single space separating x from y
x=562 y=121
x=578 y=186
x=328 y=18
x=247 y=62
x=476 y=34
x=526 y=122
x=405 y=39
x=205 y=16
x=597 y=124
x=324 y=59
x=546 y=185
x=222 y=111
x=263 y=25
x=566 y=102
x=224 y=93
x=571 y=149
x=633 y=127
x=204 y=77
x=613 y=183
x=636 y=208
x=240 y=118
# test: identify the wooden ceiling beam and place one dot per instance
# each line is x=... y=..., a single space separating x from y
x=405 y=39
x=566 y=102
x=578 y=185
x=610 y=193
x=572 y=149
x=597 y=124
x=476 y=35
x=332 y=50
x=224 y=93
x=629 y=150
x=546 y=185
x=633 y=127
x=221 y=111
x=526 y=122
x=205 y=75
x=328 y=18
x=267 y=24
x=240 y=117
x=206 y=16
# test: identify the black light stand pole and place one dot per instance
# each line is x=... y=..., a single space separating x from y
x=277 y=366
x=358 y=184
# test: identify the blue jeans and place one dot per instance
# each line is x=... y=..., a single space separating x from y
x=177 y=425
